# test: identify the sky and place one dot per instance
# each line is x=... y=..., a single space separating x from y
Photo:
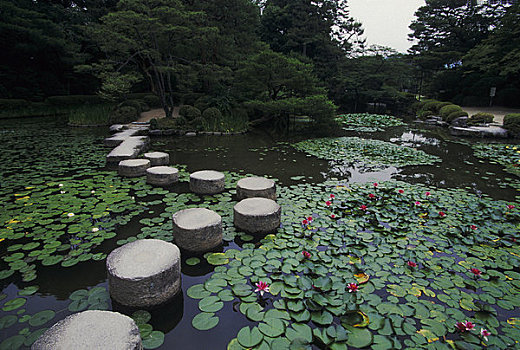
x=386 y=21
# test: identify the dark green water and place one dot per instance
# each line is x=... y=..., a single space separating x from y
x=31 y=147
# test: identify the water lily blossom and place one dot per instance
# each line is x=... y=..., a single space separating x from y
x=484 y=333
x=418 y=203
x=476 y=272
x=332 y=196
x=306 y=254
x=510 y=207
x=427 y=193
x=473 y=227
x=304 y=222
x=262 y=287
x=309 y=219
x=60 y=185
x=70 y=215
x=363 y=207
x=460 y=326
x=371 y=196
x=469 y=326
x=328 y=203
x=95 y=229
x=401 y=191
x=412 y=264
x=92 y=191
x=332 y=216
x=442 y=214
x=352 y=287
x=375 y=184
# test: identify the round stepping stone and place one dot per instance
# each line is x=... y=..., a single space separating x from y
x=162 y=175
x=257 y=215
x=144 y=273
x=133 y=167
x=197 y=229
x=207 y=182
x=250 y=187
x=157 y=158
x=91 y=329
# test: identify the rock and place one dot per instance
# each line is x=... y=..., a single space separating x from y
x=122 y=136
x=460 y=122
x=207 y=182
x=191 y=134
x=144 y=273
x=162 y=175
x=257 y=215
x=155 y=133
x=133 y=167
x=128 y=149
x=92 y=329
x=157 y=158
x=169 y=132
x=197 y=229
x=250 y=187
x=116 y=128
x=479 y=131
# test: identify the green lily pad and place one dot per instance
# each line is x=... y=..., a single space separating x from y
x=41 y=318
x=14 y=304
x=192 y=261
x=154 y=340
x=205 y=321
x=217 y=259
x=249 y=337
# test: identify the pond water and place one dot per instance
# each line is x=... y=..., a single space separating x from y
x=54 y=189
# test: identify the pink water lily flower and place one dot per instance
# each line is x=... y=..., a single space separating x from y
x=510 y=207
x=401 y=191
x=262 y=287
x=306 y=254
x=484 y=333
x=332 y=196
x=469 y=326
x=412 y=264
x=442 y=214
x=309 y=219
x=476 y=272
x=427 y=193
x=473 y=227
x=363 y=207
x=371 y=196
x=332 y=216
x=460 y=326
x=328 y=203
x=375 y=184
x=352 y=287
x=304 y=222
x=418 y=203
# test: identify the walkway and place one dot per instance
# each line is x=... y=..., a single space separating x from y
x=157 y=113
x=498 y=112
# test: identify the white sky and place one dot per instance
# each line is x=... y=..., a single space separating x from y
x=386 y=21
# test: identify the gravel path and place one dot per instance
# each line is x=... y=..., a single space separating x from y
x=498 y=112
x=157 y=113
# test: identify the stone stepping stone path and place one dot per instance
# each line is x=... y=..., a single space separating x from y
x=207 y=182
x=250 y=187
x=133 y=167
x=91 y=329
x=162 y=175
x=127 y=142
x=144 y=273
x=158 y=158
x=197 y=229
x=257 y=215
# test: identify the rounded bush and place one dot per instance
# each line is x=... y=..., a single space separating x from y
x=197 y=124
x=152 y=101
x=425 y=114
x=123 y=115
x=154 y=125
x=437 y=107
x=512 y=122
x=430 y=105
x=456 y=114
x=447 y=110
x=212 y=114
x=481 y=118
x=139 y=105
x=189 y=112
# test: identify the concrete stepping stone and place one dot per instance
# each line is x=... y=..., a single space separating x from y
x=257 y=215
x=133 y=167
x=128 y=149
x=162 y=175
x=250 y=187
x=144 y=273
x=92 y=329
x=197 y=229
x=157 y=158
x=207 y=182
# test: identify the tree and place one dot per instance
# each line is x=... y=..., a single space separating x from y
x=159 y=40
x=278 y=87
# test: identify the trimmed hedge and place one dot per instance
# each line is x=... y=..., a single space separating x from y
x=456 y=114
x=512 y=122
x=189 y=112
x=447 y=110
x=481 y=118
x=139 y=105
x=430 y=105
x=425 y=114
x=212 y=114
x=123 y=115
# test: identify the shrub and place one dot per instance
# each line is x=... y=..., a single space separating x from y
x=154 y=125
x=425 y=114
x=212 y=114
x=203 y=103
x=152 y=101
x=167 y=123
x=197 y=124
x=123 y=114
x=74 y=100
x=447 y=110
x=454 y=115
x=139 y=105
x=512 y=122
x=430 y=105
x=189 y=112
x=137 y=95
x=481 y=118
x=437 y=107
